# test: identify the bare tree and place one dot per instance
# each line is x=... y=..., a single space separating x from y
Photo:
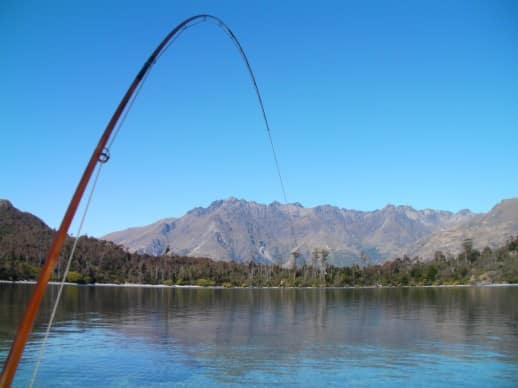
x=324 y=253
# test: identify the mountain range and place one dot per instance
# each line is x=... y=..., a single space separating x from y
x=242 y=231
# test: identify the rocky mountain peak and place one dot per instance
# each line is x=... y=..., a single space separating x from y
x=240 y=230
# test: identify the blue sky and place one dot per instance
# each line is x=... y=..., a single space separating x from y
x=369 y=102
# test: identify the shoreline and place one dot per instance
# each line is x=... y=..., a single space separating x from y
x=136 y=285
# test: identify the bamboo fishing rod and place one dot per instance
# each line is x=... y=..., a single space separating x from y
x=99 y=155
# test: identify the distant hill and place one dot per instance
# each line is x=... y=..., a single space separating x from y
x=243 y=231
x=25 y=240
x=22 y=234
x=492 y=229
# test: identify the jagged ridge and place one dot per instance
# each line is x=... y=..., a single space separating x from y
x=240 y=230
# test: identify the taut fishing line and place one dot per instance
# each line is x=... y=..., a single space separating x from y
x=143 y=74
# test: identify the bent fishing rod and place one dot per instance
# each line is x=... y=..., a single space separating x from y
x=101 y=155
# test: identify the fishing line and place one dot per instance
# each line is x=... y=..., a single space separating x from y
x=105 y=155
x=65 y=274
x=220 y=24
x=234 y=40
x=126 y=112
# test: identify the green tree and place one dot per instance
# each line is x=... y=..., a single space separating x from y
x=75 y=277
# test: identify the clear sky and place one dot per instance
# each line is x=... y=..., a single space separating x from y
x=370 y=103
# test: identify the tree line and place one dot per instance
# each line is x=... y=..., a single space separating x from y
x=97 y=261
x=25 y=240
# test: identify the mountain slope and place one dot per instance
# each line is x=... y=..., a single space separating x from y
x=492 y=229
x=244 y=231
x=22 y=234
x=25 y=240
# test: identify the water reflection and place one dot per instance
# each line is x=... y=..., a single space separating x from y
x=238 y=331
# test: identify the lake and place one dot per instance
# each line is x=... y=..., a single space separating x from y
x=129 y=336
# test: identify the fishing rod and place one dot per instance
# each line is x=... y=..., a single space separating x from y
x=101 y=155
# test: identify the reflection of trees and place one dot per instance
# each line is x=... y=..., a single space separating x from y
x=285 y=320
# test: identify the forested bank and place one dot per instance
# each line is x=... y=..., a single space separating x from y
x=25 y=240
x=104 y=262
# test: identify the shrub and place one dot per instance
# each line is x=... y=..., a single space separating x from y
x=206 y=282
x=75 y=277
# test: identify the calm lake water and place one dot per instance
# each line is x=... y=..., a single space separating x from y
x=118 y=336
